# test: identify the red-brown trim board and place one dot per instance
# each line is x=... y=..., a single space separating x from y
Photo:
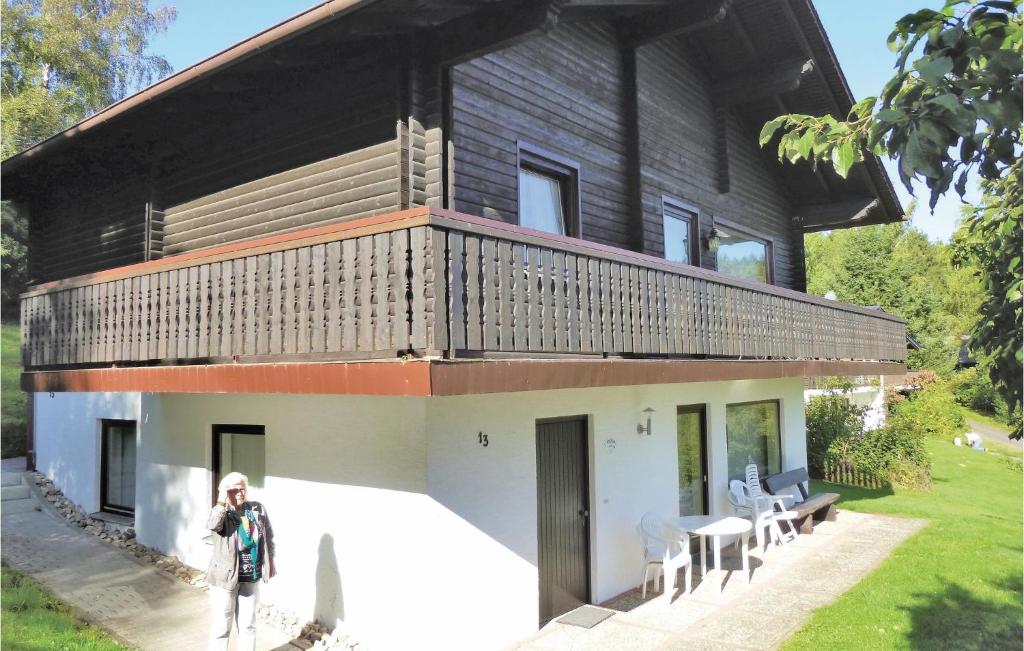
x=432 y=377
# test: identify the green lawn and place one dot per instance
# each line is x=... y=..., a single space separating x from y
x=12 y=400
x=957 y=584
x=986 y=419
x=35 y=619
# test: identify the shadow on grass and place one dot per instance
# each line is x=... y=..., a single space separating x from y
x=957 y=619
x=851 y=493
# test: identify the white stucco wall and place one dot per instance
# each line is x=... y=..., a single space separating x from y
x=67 y=439
x=494 y=487
x=345 y=490
x=388 y=512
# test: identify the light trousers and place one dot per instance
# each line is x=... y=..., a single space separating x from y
x=238 y=606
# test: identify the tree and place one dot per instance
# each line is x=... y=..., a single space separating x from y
x=63 y=60
x=953 y=113
x=896 y=267
x=998 y=219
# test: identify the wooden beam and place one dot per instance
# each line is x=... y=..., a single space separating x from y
x=816 y=217
x=631 y=113
x=680 y=18
x=492 y=29
x=721 y=119
x=743 y=89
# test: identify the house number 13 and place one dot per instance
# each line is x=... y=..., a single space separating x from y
x=482 y=439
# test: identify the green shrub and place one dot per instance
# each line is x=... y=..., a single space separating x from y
x=932 y=411
x=833 y=423
x=836 y=438
x=972 y=388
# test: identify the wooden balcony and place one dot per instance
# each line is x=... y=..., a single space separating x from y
x=431 y=283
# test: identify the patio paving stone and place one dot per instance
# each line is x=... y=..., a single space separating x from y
x=787 y=584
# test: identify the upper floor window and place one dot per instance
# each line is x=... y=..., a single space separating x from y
x=549 y=197
x=680 y=222
x=741 y=253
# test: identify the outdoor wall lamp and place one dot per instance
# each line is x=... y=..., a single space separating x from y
x=713 y=240
x=642 y=429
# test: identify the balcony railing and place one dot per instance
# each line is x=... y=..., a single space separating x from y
x=429 y=282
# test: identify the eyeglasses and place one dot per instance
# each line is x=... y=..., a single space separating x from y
x=236 y=490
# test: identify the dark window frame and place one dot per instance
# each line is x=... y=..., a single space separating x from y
x=260 y=430
x=778 y=426
x=105 y=423
x=671 y=204
x=700 y=408
x=565 y=170
x=768 y=240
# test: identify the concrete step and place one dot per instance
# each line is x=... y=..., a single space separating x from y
x=10 y=493
x=10 y=479
x=19 y=506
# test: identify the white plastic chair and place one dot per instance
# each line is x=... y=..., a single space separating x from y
x=674 y=544
x=653 y=555
x=780 y=514
x=745 y=506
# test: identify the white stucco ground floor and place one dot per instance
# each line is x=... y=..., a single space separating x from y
x=422 y=522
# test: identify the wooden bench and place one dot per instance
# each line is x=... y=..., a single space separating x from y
x=814 y=508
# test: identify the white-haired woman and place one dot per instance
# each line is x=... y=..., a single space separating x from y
x=243 y=554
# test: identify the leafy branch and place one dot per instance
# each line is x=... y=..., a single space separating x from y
x=954 y=111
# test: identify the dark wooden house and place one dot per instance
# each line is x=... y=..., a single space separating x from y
x=439 y=199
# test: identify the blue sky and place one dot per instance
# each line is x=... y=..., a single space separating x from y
x=857 y=30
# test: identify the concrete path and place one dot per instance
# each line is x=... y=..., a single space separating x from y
x=992 y=433
x=140 y=605
x=787 y=584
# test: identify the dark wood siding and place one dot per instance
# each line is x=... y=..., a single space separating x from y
x=357 y=184
x=561 y=91
x=680 y=159
x=82 y=229
x=97 y=220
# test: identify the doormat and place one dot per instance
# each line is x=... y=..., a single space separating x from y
x=586 y=616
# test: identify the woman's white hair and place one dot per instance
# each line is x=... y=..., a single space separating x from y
x=231 y=479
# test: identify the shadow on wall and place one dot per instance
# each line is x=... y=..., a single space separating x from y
x=329 y=608
x=956 y=618
x=71 y=454
x=169 y=519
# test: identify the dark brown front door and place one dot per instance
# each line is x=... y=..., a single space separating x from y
x=563 y=516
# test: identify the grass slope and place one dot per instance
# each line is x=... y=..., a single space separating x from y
x=12 y=400
x=955 y=585
x=35 y=619
x=986 y=419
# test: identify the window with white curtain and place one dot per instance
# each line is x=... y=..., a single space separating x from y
x=117 y=472
x=548 y=191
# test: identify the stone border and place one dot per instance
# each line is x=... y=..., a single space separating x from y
x=310 y=635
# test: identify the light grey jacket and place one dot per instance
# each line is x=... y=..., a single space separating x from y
x=223 y=571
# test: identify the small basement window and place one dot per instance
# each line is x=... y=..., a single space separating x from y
x=549 y=196
x=117 y=467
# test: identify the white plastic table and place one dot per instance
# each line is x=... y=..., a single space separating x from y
x=717 y=526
